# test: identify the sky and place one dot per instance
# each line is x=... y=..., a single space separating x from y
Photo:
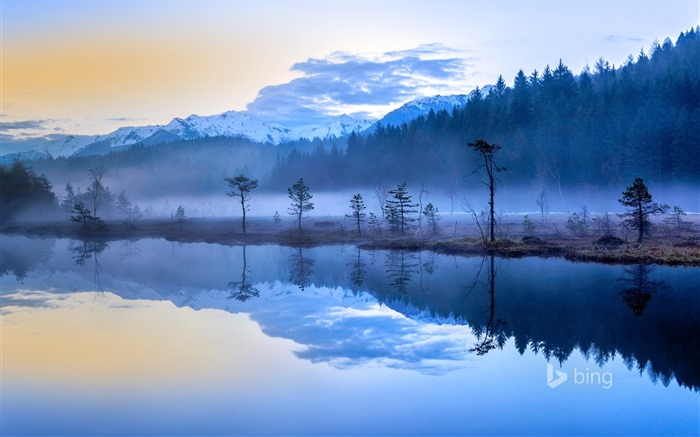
x=89 y=67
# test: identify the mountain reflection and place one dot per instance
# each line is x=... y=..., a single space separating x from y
x=20 y=255
x=411 y=310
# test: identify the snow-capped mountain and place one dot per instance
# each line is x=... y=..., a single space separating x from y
x=238 y=124
x=227 y=124
x=418 y=107
x=342 y=126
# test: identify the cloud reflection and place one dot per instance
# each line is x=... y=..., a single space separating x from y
x=347 y=332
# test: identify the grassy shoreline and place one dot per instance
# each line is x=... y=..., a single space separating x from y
x=665 y=248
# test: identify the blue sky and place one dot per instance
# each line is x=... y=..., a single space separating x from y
x=88 y=67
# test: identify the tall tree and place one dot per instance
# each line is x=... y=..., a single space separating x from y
x=357 y=206
x=301 y=200
x=96 y=191
x=400 y=208
x=487 y=151
x=641 y=206
x=241 y=186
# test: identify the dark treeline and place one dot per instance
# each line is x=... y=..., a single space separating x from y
x=183 y=167
x=603 y=127
x=23 y=191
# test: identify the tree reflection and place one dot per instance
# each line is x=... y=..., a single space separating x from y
x=428 y=267
x=640 y=287
x=357 y=276
x=400 y=268
x=90 y=249
x=300 y=269
x=241 y=290
x=489 y=336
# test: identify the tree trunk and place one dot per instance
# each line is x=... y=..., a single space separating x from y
x=493 y=218
x=640 y=218
x=243 y=208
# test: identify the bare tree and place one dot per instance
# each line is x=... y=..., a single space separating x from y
x=381 y=190
x=543 y=204
x=452 y=193
x=422 y=192
x=96 y=191
x=130 y=211
x=466 y=206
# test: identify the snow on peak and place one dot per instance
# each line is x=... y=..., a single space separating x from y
x=239 y=124
x=342 y=126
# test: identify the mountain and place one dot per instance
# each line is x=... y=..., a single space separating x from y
x=342 y=126
x=418 y=107
x=233 y=124
x=228 y=124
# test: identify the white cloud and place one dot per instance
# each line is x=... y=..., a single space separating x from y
x=345 y=82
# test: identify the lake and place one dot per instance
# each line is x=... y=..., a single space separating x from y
x=152 y=337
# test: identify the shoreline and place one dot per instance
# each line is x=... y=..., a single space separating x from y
x=673 y=250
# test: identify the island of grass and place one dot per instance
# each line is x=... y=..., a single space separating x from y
x=456 y=234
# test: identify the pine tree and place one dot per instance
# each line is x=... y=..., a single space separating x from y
x=357 y=206
x=301 y=200
x=400 y=207
x=641 y=206
x=180 y=214
x=241 y=186
x=374 y=222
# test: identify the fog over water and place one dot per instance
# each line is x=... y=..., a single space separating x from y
x=508 y=200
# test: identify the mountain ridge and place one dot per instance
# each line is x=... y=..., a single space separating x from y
x=234 y=124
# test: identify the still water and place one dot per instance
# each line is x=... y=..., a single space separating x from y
x=153 y=338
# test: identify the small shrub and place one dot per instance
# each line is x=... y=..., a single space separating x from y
x=528 y=225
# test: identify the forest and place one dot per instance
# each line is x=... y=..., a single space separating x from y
x=556 y=130
x=602 y=128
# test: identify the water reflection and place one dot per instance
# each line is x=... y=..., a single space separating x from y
x=400 y=309
x=300 y=269
x=491 y=335
x=640 y=287
x=90 y=249
x=243 y=290
x=20 y=255
x=400 y=266
x=357 y=275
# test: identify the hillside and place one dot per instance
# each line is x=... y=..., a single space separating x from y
x=601 y=128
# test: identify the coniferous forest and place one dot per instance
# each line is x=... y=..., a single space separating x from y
x=602 y=127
